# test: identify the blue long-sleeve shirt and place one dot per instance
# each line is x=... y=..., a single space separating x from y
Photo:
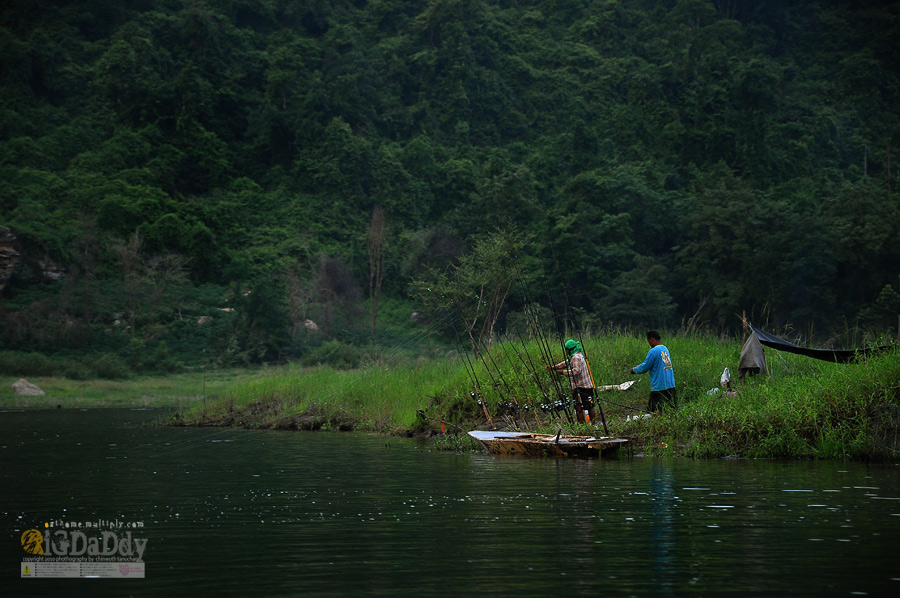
x=662 y=375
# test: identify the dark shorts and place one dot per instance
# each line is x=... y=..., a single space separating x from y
x=662 y=399
x=584 y=397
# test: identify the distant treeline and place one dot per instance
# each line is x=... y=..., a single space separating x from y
x=243 y=180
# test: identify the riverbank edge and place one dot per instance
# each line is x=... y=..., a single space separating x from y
x=647 y=437
x=805 y=409
x=659 y=436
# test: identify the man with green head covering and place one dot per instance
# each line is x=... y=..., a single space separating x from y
x=576 y=368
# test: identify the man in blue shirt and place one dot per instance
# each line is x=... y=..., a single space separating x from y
x=662 y=375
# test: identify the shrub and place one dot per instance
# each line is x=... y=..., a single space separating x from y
x=333 y=353
x=16 y=363
x=110 y=367
x=74 y=369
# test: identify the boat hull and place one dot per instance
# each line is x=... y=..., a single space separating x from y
x=546 y=445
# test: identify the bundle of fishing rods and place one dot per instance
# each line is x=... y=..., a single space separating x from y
x=558 y=398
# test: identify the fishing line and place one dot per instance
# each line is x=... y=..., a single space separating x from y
x=344 y=380
x=627 y=406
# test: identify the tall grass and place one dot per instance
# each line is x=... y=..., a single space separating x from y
x=507 y=378
x=803 y=408
x=180 y=390
x=373 y=398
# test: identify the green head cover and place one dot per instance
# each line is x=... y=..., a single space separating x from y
x=573 y=346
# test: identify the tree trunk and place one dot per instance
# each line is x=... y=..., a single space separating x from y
x=890 y=194
x=375 y=244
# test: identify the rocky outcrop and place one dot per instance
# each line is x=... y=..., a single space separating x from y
x=25 y=388
x=50 y=270
x=9 y=257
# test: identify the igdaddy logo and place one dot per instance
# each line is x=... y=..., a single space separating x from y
x=85 y=549
x=75 y=543
x=33 y=542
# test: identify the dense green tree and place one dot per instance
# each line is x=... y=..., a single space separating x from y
x=659 y=156
x=732 y=258
x=474 y=291
x=639 y=297
x=258 y=324
x=863 y=226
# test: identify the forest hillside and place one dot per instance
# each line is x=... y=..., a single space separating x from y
x=247 y=181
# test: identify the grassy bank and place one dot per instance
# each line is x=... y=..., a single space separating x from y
x=179 y=391
x=383 y=399
x=804 y=408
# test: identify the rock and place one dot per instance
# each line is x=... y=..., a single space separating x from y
x=204 y=320
x=25 y=388
x=50 y=270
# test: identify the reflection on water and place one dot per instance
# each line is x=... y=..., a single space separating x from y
x=662 y=537
x=234 y=512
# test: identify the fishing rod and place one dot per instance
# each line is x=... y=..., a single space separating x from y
x=561 y=334
x=470 y=371
x=483 y=349
x=546 y=355
x=487 y=352
x=560 y=404
x=482 y=354
x=563 y=401
x=512 y=364
x=529 y=366
x=482 y=402
x=587 y=364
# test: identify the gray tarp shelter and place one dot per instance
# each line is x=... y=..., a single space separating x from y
x=753 y=358
x=833 y=355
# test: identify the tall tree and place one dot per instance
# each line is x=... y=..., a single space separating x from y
x=338 y=293
x=476 y=288
x=147 y=280
x=375 y=245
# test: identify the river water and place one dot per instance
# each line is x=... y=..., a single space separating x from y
x=237 y=512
